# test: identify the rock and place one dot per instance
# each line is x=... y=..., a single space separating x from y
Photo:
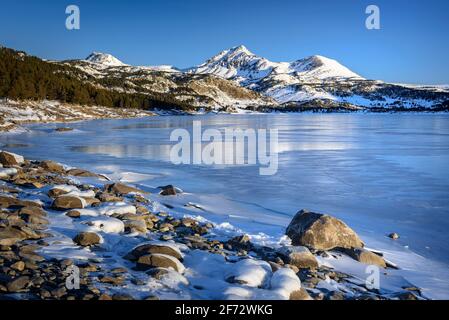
x=33 y=219
x=122 y=296
x=63 y=129
x=33 y=211
x=188 y=222
x=241 y=242
x=146 y=249
x=321 y=232
x=116 y=281
x=19 y=266
x=168 y=190
x=135 y=226
x=301 y=294
x=18 y=284
x=82 y=173
x=10 y=236
x=10 y=159
x=365 y=256
x=52 y=166
x=87 y=239
x=299 y=256
x=6 y=173
x=73 y=214
x=393 y=236
x=107 y=197
x=159 y=260
x=121 y=189
x=105 y=297
x=158 y=273
x=69 y=202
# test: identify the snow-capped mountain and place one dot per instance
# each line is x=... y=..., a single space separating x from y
x=314 y=78
x=241 y=65
x=104 y=59
x=236 y=77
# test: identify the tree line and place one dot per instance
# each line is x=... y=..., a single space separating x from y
x=26 y=77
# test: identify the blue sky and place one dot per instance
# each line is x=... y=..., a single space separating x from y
x=412 y=45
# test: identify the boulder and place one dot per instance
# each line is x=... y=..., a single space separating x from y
x=52 y=166
x=10 y=236
x=393 y=236
x=87 y=239
x=301 y=294
x=299 y=256
x=169 y=190
x=321 y=232
x=146 y=249
x=121 y=189
x=18 y=284
x=69 y=202
x=82 y=173
x=366 y=256
x=159 y=260
x=135 y=226
x=10 y=159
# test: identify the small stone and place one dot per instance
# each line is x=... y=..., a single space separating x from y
x=168 y=190
x=73 y=214
x=87 y=239
x=122 y=296
x=19 y=266
x=393 y=236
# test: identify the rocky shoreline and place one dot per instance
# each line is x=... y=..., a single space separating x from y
x=58 y=222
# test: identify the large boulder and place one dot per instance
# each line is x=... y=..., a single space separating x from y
x=10 y=159
x=299 y=256
x=321 y=232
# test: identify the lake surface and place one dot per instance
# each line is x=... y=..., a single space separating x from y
x=380 y=173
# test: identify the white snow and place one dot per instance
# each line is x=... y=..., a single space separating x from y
x=104 y=59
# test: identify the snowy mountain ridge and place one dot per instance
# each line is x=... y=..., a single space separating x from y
x=311 y=79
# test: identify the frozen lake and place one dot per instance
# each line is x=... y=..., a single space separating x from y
x=380 y=173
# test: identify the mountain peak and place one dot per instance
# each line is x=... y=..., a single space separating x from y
x=240 y=49
x=104 y=59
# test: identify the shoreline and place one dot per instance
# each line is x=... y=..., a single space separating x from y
x=123 y=217
x=15 y=114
